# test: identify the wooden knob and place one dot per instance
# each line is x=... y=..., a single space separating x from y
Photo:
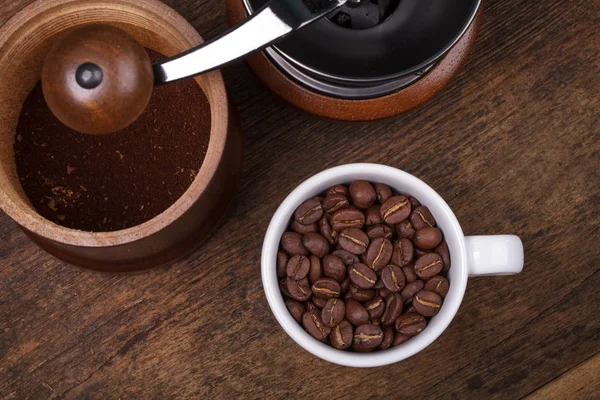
x=97 y=79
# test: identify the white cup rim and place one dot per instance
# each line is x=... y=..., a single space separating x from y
x=393 y=177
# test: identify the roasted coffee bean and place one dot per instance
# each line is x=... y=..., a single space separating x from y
x=327 y=231
x=347 y=218
x=395 y=210
x=410 y=324
x=400 y=338
x=403 y=253
x=384 y=292
x=410 y=290
x=319 y=302
x=443 y=251
x=334 y=202
x=366 y=338
x=295 y=308
x=373 y=215
x=298 y=267
x=356 y=313
x=421 y=218
x=405 y=230
x=375 y=307
x=337 y=189
x=342 y=335
x=333 y=312
x=428 y=265
x=383 y=192
x=393 y=309
x=353 y=240
x=373 y=254
x=420 y=252
x=303 y=229
x=380 y=230
x=362 y=276
x=409 y=273
x=389 y=332
x=298 y=290
x=345 y=285
x=362 y=194
x=379 y=253
x=309 y=212
x=316 y=270
x=292 y=243
x=316 y=244
x=333 y=267
x=393 y=278
x=283 y=287
x=438 y=284
x=427 y=303
x=346 y=257
x=312 y=322
x=282 y=260
x=414 y=202
x=361 y=294
x=326 y=288
x=427 y=238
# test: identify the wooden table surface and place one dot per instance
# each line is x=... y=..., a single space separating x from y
x=513 y=145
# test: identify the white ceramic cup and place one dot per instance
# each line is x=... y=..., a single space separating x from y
x=470 y=256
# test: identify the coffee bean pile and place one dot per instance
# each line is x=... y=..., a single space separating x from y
x=363 y=268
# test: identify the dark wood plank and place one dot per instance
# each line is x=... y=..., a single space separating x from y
x=513 y=145
x=581 y=382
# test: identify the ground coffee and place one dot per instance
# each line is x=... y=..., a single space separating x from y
x=112 y=182
x=370 y=278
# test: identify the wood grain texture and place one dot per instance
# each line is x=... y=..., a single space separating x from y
x=581 y=382
x=513 y=145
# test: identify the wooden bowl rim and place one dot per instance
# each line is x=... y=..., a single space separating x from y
x=214 y=88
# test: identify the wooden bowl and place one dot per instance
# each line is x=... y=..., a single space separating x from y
x=365 y=109
x=24 y=42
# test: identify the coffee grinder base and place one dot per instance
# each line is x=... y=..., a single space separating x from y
x=362 y=109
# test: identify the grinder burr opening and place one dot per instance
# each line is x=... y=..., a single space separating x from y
x=363 y=14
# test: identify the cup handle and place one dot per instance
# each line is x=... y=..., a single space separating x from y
x=494 y=255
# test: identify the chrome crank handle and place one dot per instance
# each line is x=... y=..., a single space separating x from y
x=272 y=22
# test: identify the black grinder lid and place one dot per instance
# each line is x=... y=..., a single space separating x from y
x=377 y=40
